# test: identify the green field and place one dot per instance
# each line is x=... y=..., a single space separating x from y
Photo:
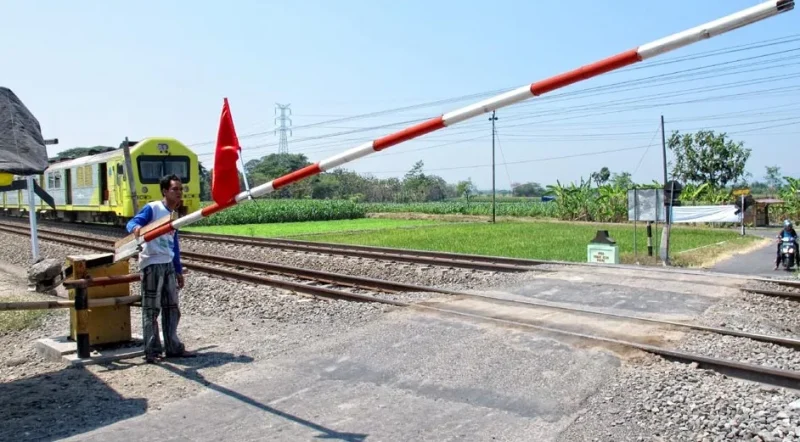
x=284 y=211
x=546 y=240
x=270 y=230
x=550 y=240
x=529 y=208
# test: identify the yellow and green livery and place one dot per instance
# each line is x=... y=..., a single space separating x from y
x=95 y=188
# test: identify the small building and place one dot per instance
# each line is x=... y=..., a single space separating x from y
x=758 y=215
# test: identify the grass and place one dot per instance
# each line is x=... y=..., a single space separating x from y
x=313 y=227
x=16 y=320
x=544 y=240
x=284 y=211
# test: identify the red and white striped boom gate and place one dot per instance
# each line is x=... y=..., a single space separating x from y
x=130 y=246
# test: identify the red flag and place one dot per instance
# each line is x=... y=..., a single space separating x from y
x=225 y=176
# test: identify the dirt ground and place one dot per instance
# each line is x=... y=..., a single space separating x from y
x=47 y=400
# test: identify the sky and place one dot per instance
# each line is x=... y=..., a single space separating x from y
x=95 y=72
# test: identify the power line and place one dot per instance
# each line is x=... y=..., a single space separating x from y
x=704 y=54
x=578 y=155
x=465 y=129
x=571 y=109
x=562 y=110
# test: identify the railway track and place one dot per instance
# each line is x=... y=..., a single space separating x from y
x=482 y=262
x=475 y=262
x=338 y=286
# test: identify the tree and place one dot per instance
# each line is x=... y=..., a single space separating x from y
x=205 y=184
x=773 y=178
x=465 y=188
x=528 y=189
x=600 y=177
x=707 y=157
x=275 y=165
x=77 y=152
x=622 y=180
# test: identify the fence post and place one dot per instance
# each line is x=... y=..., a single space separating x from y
x=81 y=310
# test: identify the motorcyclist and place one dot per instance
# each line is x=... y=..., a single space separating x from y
x=788 y=231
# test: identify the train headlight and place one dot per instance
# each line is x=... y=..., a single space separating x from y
x=185 y=188
x=144 y=189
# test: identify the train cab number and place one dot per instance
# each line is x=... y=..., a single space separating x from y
x=163 y=147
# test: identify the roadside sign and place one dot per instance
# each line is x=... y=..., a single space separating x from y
x=740 y=192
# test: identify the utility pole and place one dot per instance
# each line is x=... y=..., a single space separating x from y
x=283 y=143
x=493 y=119
x=664 y=250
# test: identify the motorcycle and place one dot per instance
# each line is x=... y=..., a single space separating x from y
x=788 y=253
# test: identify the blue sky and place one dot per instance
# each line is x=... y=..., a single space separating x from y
x=95 y=72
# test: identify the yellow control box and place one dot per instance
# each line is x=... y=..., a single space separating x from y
x=107 y=324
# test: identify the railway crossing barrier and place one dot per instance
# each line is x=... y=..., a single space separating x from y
x=100 y=303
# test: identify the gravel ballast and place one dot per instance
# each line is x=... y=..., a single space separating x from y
x=655 y=400
x=236 y=323
x=229 y=323
x=419 y=274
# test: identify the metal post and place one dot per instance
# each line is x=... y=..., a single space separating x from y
x=82 y=319
x=669 y=220
x=244 y=175
x=664 y=250
x=742 y=214
x=493 y=119
x=81 y=310
x=32 y=217
x=635 y=220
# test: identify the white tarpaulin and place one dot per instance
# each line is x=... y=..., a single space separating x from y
x=705 y=214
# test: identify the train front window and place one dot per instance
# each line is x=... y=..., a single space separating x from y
x=152 y=168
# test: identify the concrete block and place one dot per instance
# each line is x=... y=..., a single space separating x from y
x=62 y=349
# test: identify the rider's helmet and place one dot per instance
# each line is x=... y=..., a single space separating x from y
x=787 y=224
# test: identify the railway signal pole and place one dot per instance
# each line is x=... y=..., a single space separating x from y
x=32 y=210
x=493 y=119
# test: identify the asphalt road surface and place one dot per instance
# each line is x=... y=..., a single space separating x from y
x=760 y=262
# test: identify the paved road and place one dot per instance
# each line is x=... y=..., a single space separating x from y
x=760 y=262
x=407 y=377
x=417 y=376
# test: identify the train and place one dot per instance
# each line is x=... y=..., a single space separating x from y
x=95 y=188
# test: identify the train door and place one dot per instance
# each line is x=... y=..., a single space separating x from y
x=103 y=172
x=68 y=186
x=119 y=179
x=112 y=186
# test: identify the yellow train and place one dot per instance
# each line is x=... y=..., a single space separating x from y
x=95 y=188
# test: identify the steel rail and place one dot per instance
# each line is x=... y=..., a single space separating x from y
x=411 y=257
x=774 y=293
x=343 y=280
x=395 y=287
x=325 y=246
x=416 y=256
x=345 y=249
x=752 y=372
x=778 y=377
x=470 y=257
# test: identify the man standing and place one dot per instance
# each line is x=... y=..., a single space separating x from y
x=162 y=275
